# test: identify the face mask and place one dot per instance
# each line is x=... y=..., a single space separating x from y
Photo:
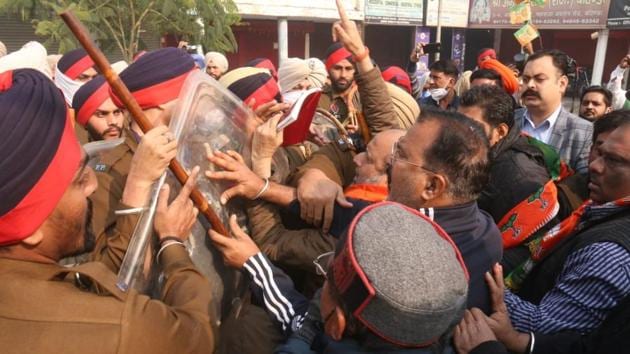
x=68 y=86
x=438 y=93
x=291 y=96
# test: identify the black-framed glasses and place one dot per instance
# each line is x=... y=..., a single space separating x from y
x=322 y=262
x=395 y=156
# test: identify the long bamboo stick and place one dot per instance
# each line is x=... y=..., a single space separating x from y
x=137 y=114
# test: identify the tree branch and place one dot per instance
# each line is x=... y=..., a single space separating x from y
x=116 y=38
x=179 y=29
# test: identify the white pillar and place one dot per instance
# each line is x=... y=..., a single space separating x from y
x=600 y=57
x=307 y=45
x=438 y=35
x=283 y=40
x=497 y=40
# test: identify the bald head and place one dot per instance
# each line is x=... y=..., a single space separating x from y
x=372 y=163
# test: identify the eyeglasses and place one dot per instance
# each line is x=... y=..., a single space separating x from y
x=395 y=156
x=322 y=262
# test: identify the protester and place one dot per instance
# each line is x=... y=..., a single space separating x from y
x=318 y=76
x=216 y=64
x=595 y=102
x=44 y=216
x=339 y=97
x=417 y=79
x=442 y=79
x=487 y=60
x=579 y=270
x=455 y=167
x=347 y=60
x=478 y=333
x=95 y=110
x=395 y=317
x=293 y=75
x=398 y=77
x=518 y=168
x=616 y=82
x=544 y=84
x=485 y=77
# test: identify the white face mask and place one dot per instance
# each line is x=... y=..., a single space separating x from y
x=438 y=93
x=291 y=96
x=68 y=86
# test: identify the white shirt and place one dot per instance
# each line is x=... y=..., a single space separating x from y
x=543 y=131
x=614 y=85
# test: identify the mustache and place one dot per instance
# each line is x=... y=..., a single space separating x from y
x=113 y=128
x=530 y=93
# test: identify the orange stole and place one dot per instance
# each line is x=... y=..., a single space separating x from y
x=367 y=192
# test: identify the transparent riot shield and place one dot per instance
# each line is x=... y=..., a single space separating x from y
x=206 y=112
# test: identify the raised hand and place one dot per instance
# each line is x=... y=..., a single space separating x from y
x=247 y=183
x=266 y=140
x=236 y=250
x=346 y=32
x=178 y=218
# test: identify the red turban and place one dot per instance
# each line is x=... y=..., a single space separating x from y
x=74 y=63
x=157 y=77
x=40 y=152
x=89 y=97
x=336 y=53
x=397 y=76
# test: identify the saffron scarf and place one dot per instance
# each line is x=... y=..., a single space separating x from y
x=586 y=215
x=530 y=215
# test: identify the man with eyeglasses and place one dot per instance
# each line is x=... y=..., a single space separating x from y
x=439 y=167
x=578 y=272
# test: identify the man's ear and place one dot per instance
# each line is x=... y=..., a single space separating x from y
x=337 y=324
x=452 y=82
x=35 y=239
x=435 y=186
x=501 y=131
x=563 y=81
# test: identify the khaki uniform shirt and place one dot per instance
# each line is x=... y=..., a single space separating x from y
x=111 y=172
x=44 y=309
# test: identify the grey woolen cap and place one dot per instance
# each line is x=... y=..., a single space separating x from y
x=419 y=279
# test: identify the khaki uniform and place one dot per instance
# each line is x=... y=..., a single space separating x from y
x=111 y=172
x=336 y=160
x=44 y=309
x=372 y=99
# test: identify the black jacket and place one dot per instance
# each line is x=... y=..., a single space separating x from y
x=472 y=230
x=518 y=170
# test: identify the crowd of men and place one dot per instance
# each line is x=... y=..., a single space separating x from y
x=433 y=213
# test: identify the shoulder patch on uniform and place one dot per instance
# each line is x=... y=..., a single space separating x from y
x=101 y=167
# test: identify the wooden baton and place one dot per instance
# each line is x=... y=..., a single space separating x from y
x=119 y=88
